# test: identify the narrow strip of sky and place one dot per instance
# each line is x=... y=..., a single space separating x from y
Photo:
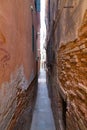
x=43 y=29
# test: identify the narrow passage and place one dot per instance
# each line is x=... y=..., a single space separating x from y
x=42 y=116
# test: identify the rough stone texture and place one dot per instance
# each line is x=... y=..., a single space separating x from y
x=66 y=69
x=74 y=82
x=14 y=101
x=24 y=110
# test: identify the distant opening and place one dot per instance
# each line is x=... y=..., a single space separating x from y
x=43 y=36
